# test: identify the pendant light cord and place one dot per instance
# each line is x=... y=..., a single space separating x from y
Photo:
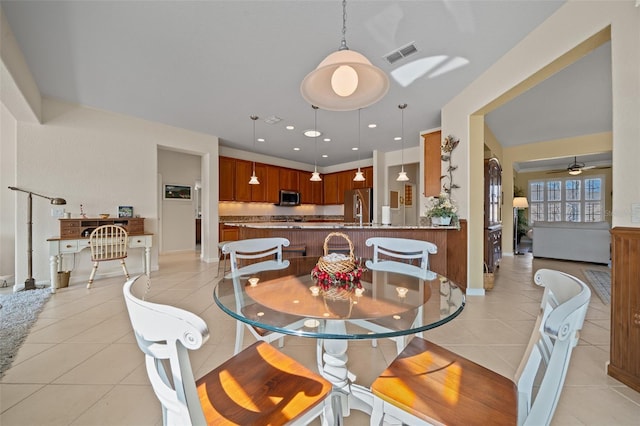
x=343 y=43
x=315 y=137
x=402 y=107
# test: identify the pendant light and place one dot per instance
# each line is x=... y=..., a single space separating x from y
x=359 y=177
x=402 y=176
x=315 y=176
x=345 y=80
x=254 y=179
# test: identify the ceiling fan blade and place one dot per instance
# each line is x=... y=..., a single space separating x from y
x=557 y=171
x=588 y=167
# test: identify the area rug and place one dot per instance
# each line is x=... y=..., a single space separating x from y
x=600 y=282
x=18 y=313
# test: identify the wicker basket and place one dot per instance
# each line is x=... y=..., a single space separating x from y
x=488 y=278
x=346 y=265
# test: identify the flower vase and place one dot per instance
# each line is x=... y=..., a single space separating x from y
x=441 y=221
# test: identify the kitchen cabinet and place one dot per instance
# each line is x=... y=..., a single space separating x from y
x=330 y=193
x=310 y=192
x=244 y=169
x=259 y=192
x=432 y=163
x=345 y=179
x=289 y=180
x=273 y=184
x=492 y=213
x=368 y=178
x=228 y=233
x=226 y=178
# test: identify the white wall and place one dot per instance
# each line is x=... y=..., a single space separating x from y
x=101 y=160
x=573 y=23
x=7 y=197
x=177 y=218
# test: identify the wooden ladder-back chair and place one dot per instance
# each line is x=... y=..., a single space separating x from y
x=256 y=250
x=428 y=384
x=108 y=242
x=258 y=386
x=398 y=255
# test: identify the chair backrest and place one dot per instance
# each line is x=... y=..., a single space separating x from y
x=254 y=249
x=108 y=242
x=164 y=334
x=399 y=248
x=543 y=369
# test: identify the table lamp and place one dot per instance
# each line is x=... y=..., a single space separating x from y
x=518 y=203
x=30 y=282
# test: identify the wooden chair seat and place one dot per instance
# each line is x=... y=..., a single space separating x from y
x=442 y=387
x=427 y=384
x=260 y=386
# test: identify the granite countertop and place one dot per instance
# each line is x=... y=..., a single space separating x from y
x=328 y=225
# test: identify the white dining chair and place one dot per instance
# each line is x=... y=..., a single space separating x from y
x=108 y=242
x=255 y=250
x=258 y=386
x=428 y=384
x=399 y=255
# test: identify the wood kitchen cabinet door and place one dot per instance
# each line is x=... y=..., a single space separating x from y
x=243 y=174
x=226 y=178
x=432 y=163
x=310 y=192
x=368 y=178
x=273 y=184
x=289 y=180
x=331 y=188
x=259 y=192
x=345 y=179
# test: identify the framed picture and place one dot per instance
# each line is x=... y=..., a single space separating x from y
x=125 y=211
x=177 y=192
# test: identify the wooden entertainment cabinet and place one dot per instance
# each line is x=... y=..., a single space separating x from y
x=81 y=227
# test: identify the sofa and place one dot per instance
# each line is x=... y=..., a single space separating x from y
x=578 y=241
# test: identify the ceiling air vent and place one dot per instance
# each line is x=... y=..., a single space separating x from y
x=400 y=53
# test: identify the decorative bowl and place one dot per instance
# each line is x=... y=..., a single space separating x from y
x=104 y=215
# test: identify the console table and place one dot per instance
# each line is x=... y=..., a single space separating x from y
x=74 y=235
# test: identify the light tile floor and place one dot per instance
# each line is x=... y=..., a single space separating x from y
x=80 y=364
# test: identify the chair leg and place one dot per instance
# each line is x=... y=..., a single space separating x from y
x=239 y=337
x=124 y=268
x=93 y=274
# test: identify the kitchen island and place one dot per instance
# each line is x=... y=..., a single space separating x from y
x=450 y=261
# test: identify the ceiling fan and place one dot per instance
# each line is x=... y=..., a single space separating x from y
x=576 y=168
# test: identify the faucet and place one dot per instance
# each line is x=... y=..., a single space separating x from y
x=359 y=208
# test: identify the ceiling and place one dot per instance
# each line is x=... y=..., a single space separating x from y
x=208 y=65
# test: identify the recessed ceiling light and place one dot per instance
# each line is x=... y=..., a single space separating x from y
x=290 y=127
x=260 y=139
x=373 y=125
x=397 y=138
x=312 y=133
x=296 y=149
x=355 y=148
x=324 y=156
x=327 y=139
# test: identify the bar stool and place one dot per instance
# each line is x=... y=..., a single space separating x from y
x=223 y=256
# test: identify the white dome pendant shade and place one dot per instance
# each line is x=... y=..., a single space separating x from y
x=345 y=80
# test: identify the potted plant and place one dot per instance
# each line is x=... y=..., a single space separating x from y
x=441 y=209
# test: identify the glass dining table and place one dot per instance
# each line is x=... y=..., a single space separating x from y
x=283 y=297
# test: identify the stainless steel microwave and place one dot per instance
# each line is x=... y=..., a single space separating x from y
x=289 y=198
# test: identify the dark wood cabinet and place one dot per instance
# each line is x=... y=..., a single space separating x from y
x=259 y=192
x=289 y=180
x=432 y=163
x=368 y=178
x=330 y=188
x=244 y=169
x=226 y=178
x=310 y=192
x=492 y=213
x=624 y=352
x=273 y=184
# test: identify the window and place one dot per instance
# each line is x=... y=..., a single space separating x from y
x=571 y=199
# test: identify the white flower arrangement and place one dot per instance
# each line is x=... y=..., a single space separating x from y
x=441 y=206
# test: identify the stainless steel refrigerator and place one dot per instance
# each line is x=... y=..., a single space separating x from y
x=358 y=201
